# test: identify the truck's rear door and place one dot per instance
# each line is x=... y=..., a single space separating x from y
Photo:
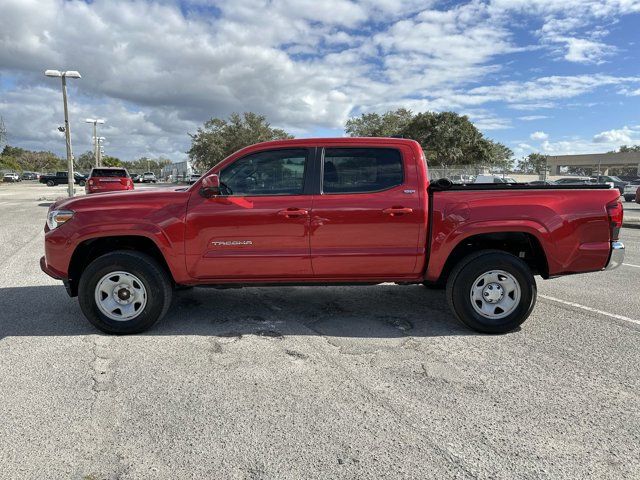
x=367 y=219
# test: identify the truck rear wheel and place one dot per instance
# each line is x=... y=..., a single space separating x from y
x=124 y=292
x=50 y=183
x=491 y=291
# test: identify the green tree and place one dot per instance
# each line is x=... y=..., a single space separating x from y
x=86 y=161
x=146 y=164
x=537 y=163
x=447 y=138
x=632 y=148
x=219 y=138
x=8 y=163
x=375 y=125
x=28 y=160
x=109 y=161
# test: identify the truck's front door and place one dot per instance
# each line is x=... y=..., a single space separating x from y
x=367 y=220
x=260 y=228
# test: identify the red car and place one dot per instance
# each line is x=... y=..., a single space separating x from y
x=329 y=211
x=108 y=179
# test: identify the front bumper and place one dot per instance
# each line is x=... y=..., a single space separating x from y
x=53 y=273
x=617 y=255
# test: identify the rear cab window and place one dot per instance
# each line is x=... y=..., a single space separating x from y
x=111 y=172
x=361 y=170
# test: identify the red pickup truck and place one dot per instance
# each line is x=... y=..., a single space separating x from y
x=329 y=212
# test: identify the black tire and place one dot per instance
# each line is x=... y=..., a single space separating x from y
x=155 y=279
x=461 y=281
x=81 y=183
x=629 y=198
x=50 y=183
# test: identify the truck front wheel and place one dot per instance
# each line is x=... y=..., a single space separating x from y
x=491 y=291
x=124 y=292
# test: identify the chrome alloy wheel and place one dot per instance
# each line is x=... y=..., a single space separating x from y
x=495 y=294
x=120 y=296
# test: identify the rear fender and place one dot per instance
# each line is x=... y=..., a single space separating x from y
x=443 y=244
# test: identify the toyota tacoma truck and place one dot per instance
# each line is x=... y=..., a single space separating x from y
x=355 y=211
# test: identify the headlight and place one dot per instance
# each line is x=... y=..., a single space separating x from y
x=58 y=217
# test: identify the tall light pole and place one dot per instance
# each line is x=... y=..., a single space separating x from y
x=67 y=130
x=99 y=143
x=95 y=122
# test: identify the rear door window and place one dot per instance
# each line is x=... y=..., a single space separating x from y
x=361 y=170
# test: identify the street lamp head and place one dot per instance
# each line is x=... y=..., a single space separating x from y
x=52 y=73
x=100 y=121
x=89 y=120
x=72 y=74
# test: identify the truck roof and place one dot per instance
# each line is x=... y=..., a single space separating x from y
x=341 y=140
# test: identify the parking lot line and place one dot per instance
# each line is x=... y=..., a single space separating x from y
x=593 y=310
x=631 y=265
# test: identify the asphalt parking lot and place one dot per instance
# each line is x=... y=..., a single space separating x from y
x=314 y=382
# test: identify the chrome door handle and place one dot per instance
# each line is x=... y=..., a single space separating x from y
x=294 y=213
x=393 y=211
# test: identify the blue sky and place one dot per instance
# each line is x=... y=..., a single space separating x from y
x=538 y=75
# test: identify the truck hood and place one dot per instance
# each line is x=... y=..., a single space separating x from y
x=151 y=199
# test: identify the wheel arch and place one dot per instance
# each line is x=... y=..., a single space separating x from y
x=92 y=248
x=523 y=245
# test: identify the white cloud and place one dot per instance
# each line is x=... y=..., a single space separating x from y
x=539 y=136
x=531 y=118
x=601 y=142
x=581 y=50
x=624 y=135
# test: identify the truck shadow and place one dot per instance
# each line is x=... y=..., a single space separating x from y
x=382 y=311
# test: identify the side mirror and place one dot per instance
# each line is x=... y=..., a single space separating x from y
x=210 y=186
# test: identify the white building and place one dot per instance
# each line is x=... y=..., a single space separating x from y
x=178 y=171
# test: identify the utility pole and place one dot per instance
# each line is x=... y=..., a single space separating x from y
x=95 y=122
x=67 y=129
x=3 y=133
x=99 y=150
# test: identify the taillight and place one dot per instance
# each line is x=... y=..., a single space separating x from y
x=90 y=182
x=615 y=212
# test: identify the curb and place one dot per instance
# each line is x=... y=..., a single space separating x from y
x=630 y=225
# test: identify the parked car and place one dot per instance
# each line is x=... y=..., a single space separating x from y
x=11 y=177
x=462 y=178
x=108 y=179
x=572 y=181
x=612 y=180
x=488 y=178
x=630 y=190
x=30 y=176
x=328 y=211
x=193 y=178
x=149 y=177
x=61 y=178
x=542 y=182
